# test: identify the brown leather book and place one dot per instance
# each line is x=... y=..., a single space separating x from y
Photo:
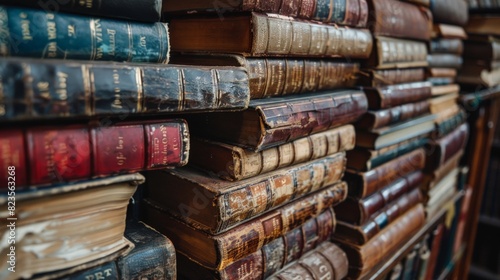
x=281 y=76
x=233 y=163
x=397 y=53
x=394 y=95
x=441 y=150
x=376 y=78
x=215 y=205
x=435 y=246
x=440 y=90
x=385 y=117
x=448 y=31
x=361 y=234
x=450 y=11
x=442 y=102
x=450 y=46
x=399 y=19
x=486 y=50
x=358 y=211
x=364 y=258
x=441 y=72
x=363 y=184
x=443 y=60
x=274 y=121
x=483 y=24
x=448 y=120
x=266 y=35
x=432 y=178
x=350 y=12
x=218 y=251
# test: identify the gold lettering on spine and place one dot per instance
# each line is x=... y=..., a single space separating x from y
x=117 y=103
x=120 y=158
x=86 y=3
x=164 y=144
x=62 y=86
x=25 y=27
x=49 y=153
x=51 y=36
x=112 y=42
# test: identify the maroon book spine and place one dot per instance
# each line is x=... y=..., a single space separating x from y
x=12 y=158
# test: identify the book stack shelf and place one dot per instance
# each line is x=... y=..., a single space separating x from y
x=300 y=139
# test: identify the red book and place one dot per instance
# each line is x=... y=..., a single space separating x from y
x=61 y=154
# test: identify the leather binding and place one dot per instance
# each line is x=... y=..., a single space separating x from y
x=364 y=258
x=436 y=237
x=390 y=96
x=397 y=53
x=267 y=35
x=441 y=150
x=215 y=205
x=363 y=233
x=343 y=12
x=385 y=117
x=431 y=179
x=399 y=19
x=441 y=72
x=230 y=162
x=274 y=121
x=450 y=46
x=482 y=24
x=453 y=12
x=135 y=89
x=77 y=152
x=445 y=61
x=12 y=149
x=218 y=251
x=377 y=78
x=362 y=184
x=358 y=211
x=448 y=31
x=447 y=125
x=485 y=50
x=86 y=38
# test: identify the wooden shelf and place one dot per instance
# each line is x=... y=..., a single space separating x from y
x=474 y=99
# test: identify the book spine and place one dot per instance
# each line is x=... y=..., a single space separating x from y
x=400 y=19
x=60 y=89
x=396 y=152
x=251 y=236
x=447 y=126
x=437 y=236
x=147 y=11
x=443 y=45
x=38 y=34
x=450 y=12
x=279 y=36
x=443 y=149
x=381 y=118
x=444 y=60
x=13 y=160
x=282 y=251
x=390 y=96
x=398 y=53
x=386 y=77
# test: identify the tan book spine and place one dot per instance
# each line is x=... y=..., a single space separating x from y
x=398 y=53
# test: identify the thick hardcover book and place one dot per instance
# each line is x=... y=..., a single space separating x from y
x=363 y=233
x=433 y=178
x=385 y=117
x=399 y=19
x=443 y=60
x=389 y=96
x=453 y=12
x=274 y=121
x=146 y=10
x=218 y=251
x=38 y=34
x=358 y=211
x=363 y=184
x=483 y=24
x=364 y=258
x=376 y=78
x=397 y=53
x=363 y=159
x=450 y=46
x=215 y=205
x=448 y=31
x=78 y=152
x=482 y=50
x=270 y=77
x=391 y=135
x=68 y=226
x=344 y=12
x=256 y=34
x=328 y=261
x=435 y=246
x=448 y=124
x=442 y=102
x=272 y=257
x=34 y=89
x=233 y=163
x=409 y=263
x=439 y=151
x=441 y=72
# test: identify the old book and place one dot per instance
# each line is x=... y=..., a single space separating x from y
x=218 y=251
x=269 y=77
x=274 y=121
x=483 y=24
x=364 y=258
x=148 y=11
x=449 y=46
x=439 y=151
x=363 y=159
x=464 y=210
x=38 y=34
x=432 y=178
x=153 y=257
x=255 y=34
x=328 y=261
x=397 y=53
x=442 y=102
x=441 y=81
x=73 y=225
x=386 y=136
x=215 y=205
x=441 y=195
x=272 y=257
x=443 y=60
x=233 y=163
x=441 y=72
x=363 y=233
x=449 y=31
x=449 y=123
x=409 y=263
x=358 y=211
x=76 y=152
x=435 y=245
x=453 y=12
x=380 y=118
x=424 y=255
x=363 y=184
x=389 y=96
x=399 y=19
x=441 y=90
x=482 y=50
x=376 y=78
x=344 y=12
x=35 y=89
